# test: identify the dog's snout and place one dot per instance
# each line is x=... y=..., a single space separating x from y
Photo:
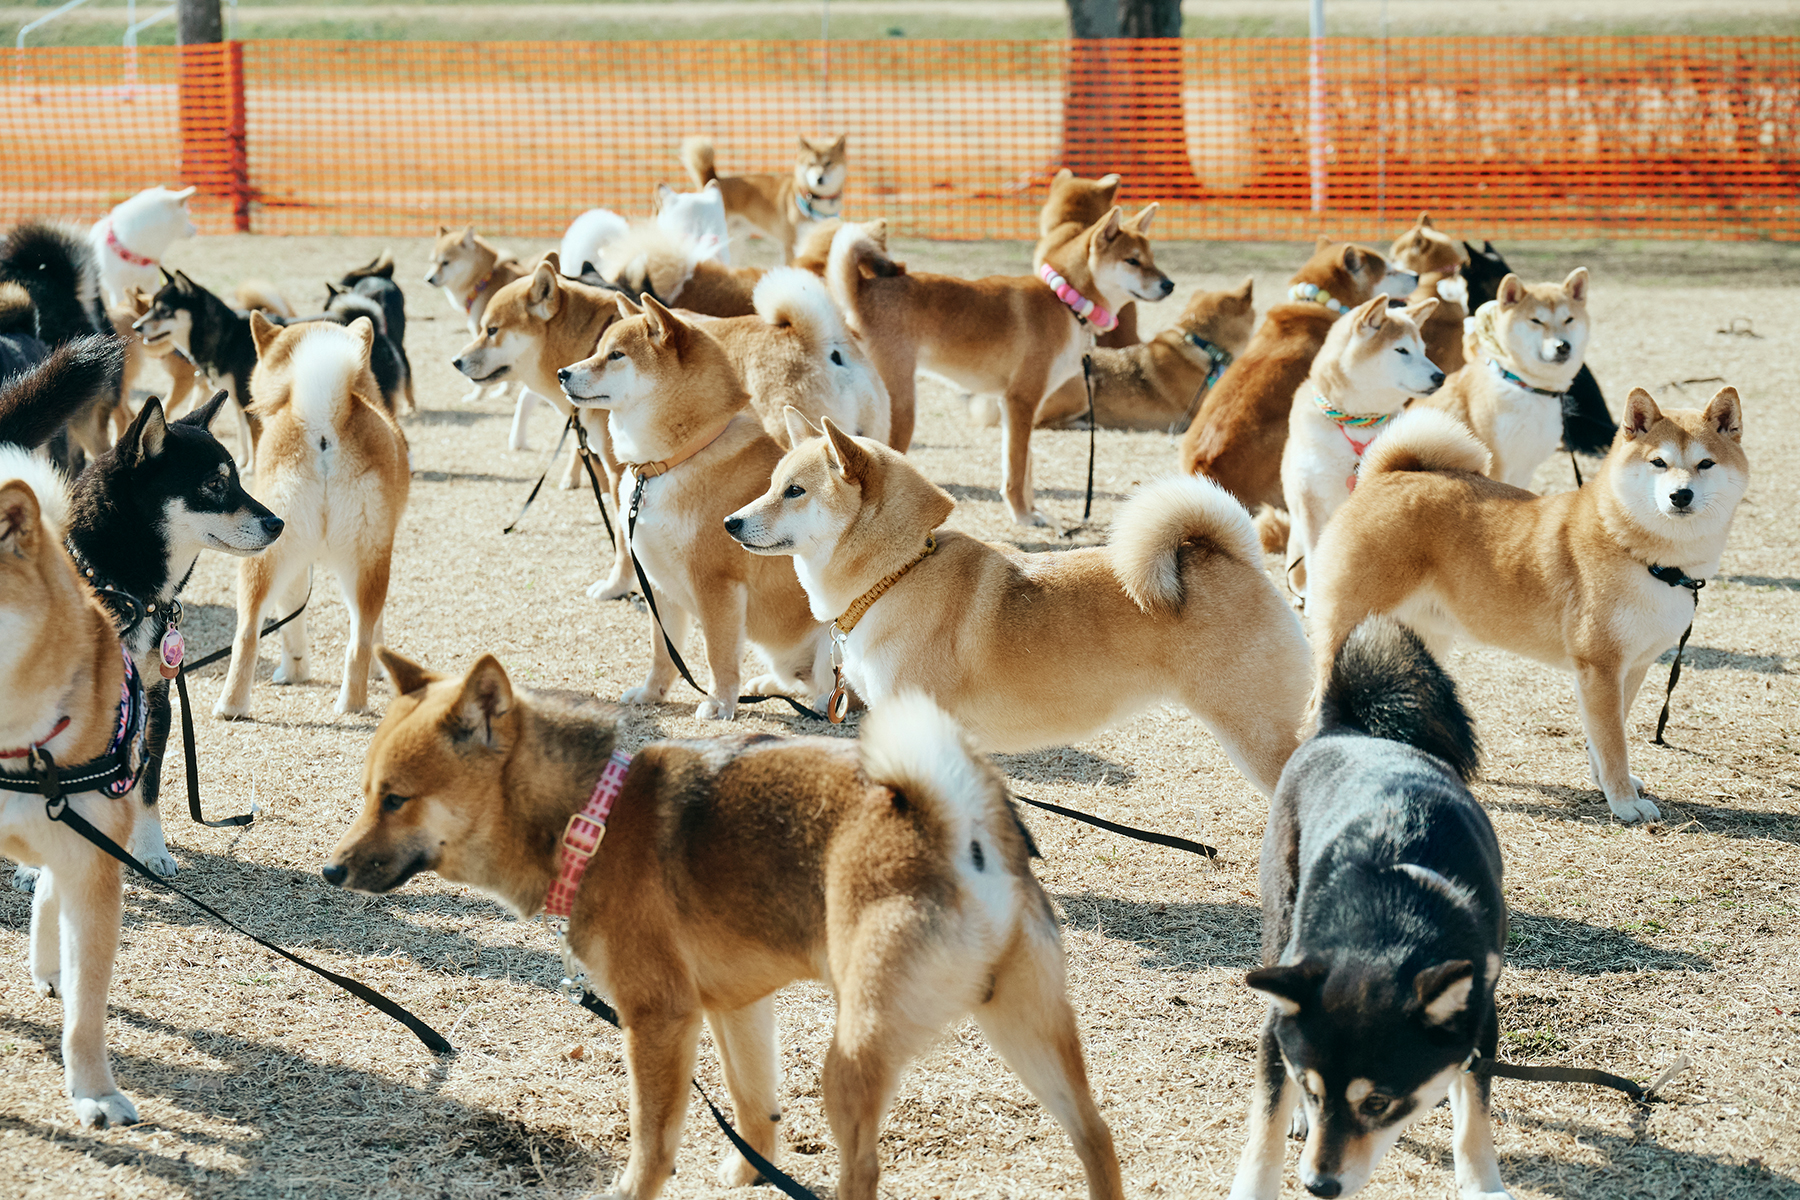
x=1681 y=497
x=1437 y=379
x=562 y=375
x=1324 y=1185
x=273 y=525
x=1167 y=285
x=336 y=873
x=457 y=363
x=734 y=525
x=1562 y=352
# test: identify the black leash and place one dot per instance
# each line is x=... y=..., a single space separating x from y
x=1087 y=505
x=1577 y=467
x=771 y=1173
x=539 y=485
x=631 y=516
x=587 y=461
x=54 y=788
x=187 y=724
x=1142 y=835
x=1494 y=1069
x=1675 y=577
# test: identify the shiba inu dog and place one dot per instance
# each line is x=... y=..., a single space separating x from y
x=647 y=261
x=796 y=351
x=140 y=356
x=1437 y=260
x=892 y=869
x=697 y=217
x=1158 y=385
x=1237 y=436
x=1523 y=350
x=71 y=693
x=1020 y=337
x=1372 y=363
x=332 y=461
x=374 y=282
x=778 y=207
x=1178 y=608
x=471 y=269
x=1588 y=427
x=693 y=450
x=184 y=318
x=130 y=241
x=1072 y=206
x=1594 y=581
x=1384 y=930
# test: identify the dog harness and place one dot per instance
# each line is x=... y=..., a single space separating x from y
x=1348 y=421
x=1218 y=356
x=816 y=207
x=839 y=705
x=582 y=835
x=650 y=470
x=125 y=252
x=117 y=770
x=1085 y=310
x=1312 y=293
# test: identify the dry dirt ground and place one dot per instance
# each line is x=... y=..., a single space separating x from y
x=1630 y=947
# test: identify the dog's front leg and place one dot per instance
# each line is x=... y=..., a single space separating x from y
x=1600 y=690
x=46 y=934
x=619 y=581
x=89 y=920
x=528 y=400
x=367 y=604
x=659 y=1055
x=147 y=844
x=1018 y=410
x=1477 y=1170
x=254 y=578
x=662 y=668
x=722 y=612
x=1271 y=1107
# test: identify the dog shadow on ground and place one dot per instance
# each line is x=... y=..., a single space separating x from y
x=1628 y=1162
x=961 y=492
x=1705 y=658
x=1577 y=948
x=468 y=477
x=289 y=1104
x=453 y=416
x=1065 y=765
x=1582 y=804
x=1175 y=936
x=1785 y=582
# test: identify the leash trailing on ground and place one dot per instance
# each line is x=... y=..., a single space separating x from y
x=49 y=782
x=1141 y=835
x=1495 y=1069
x=531 y=497
x=1675 y=577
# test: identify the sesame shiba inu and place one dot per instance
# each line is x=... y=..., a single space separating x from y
x=1437 y=259
x=332 y=464
x=1595 y=581
x=778 y=207
x=1372 y=363
x=1020 y=337
x=893 y=870
x=1177 y=608
x=1523 y=351
x=692 y=450
x=1237 y=436
x=140 y=355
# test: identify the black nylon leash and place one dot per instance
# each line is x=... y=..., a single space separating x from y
x=587 y=461
x=631 y=516
x=54 y=789
x=1495 y=1069
x=1675 y=577
x=539 y=485
x=1141 y=835
x=1577 y=468
x=1087 y=379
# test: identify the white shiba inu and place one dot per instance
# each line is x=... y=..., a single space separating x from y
x=129 y=242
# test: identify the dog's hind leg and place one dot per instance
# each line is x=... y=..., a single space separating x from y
x=722 y=613
x=659 y=1053
x=1030 y=1022
x=655 y=687
x=1018 y=412
x=295 y=663
x=366 y=602
x=89 y=919
x=1272 y=1105
x=46 y=934
x=256 y=580
x=746 y=1040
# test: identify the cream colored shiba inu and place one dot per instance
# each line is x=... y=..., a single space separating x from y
x=1523 y=350
x=693 y=450
x=1372 y=363
x=1020 y=337
x=1595 y=581
x=1437 y=259
x=471 y=269
x=331 y=463
x=1177 y=608
x=778 y=207
x=647 y=260
x=130 y=241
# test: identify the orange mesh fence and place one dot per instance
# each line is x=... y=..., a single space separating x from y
x=1276 y=139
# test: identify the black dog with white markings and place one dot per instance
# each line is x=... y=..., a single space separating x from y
x=1384 y=929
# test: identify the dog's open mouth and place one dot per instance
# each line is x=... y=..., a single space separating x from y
x=151 y=339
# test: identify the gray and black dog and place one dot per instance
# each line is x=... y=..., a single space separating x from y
x=1384 y=930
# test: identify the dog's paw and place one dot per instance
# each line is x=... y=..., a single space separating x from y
x=1634 y=810
x=1035 y=517
x=158 y=861
x=347 y=704
x=226 y=710
x=473 y=394
x=773 y=685
x=1297 y=1124
x=25 y=879
x=609 y=589
x=97 y=1112
x=291 y=671
x=643 y=695
x=47 y=988
x=1477 y=1194
x=710 y=709
x=737 y=1171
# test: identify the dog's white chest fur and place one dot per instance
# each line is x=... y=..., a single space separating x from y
x=1527 y=428
x=660 y=540
x=1650 y=616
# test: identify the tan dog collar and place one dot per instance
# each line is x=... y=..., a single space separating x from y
x=650 y=470
x=844 y=624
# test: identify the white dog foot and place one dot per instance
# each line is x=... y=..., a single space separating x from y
x=611 y=588
x=225 y=710
x=291 y=671
x=1635 y=809
x=97 y=1112
x=773 y=685
x=49 y=988
x=710 y=709
x=149 y=848
x=25 y=879
x=737 y=1171
x=643 y=695
x=1478 y=1194
x=1036 y=516
x=345 y=705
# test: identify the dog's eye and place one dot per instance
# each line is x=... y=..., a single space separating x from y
x=615 y=356
x=493 y=330
x=1704 y=464
x=1659 y=464
x=1133 y=262
x=1375 y=1105
x=392 y=803
x=1403 y=350
x=793 y=491
x=1537 y=322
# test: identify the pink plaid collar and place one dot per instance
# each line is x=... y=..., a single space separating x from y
x=125 y=252
x=581 y=837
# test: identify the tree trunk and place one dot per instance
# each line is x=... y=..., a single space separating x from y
x=1149 y=18
x=1122 y=102
x=197 y=22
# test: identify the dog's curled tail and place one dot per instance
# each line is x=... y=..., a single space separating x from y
x=1424 y=439
x=1273 y=526
x=855 y=249
x=1160 y=519
x=79 y=374
x=697 y=157
x=258 y=296
x=1386 y=684
x=793 y=297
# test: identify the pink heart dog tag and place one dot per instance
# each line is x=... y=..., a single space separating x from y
x=174 y=649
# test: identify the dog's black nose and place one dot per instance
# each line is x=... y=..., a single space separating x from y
x=562 y=375
x=1562 y=352
x=734 y=525
x=1437 y=379
x=1324 y=1186
x=1682 y=498
x=335 y=876
x=273 y=525
x=457 y=363
x=1168 y=285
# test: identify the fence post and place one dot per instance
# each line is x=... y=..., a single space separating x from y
x=213 y=156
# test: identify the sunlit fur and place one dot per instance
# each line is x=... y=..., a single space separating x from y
x=765 y=205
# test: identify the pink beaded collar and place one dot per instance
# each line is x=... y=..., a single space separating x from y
x=1083 y=308
x=581 y=837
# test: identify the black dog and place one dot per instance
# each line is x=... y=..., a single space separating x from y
x=1588 y=428
x=1384 y=929
x=393 y=374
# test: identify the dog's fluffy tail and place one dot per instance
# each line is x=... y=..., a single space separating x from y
x=793 y=297
x=55 y=265
x=1162 y=518
x=259 y=296
x=76 y=376
x=1273 y=526
x=588 y=236
x=697 y=157
x=855 y=249
x=325 y=366
x=1424 y=439
x=381 y=268
x=1386 y=684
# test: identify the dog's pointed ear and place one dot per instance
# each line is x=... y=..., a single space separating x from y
x=1109 y=226
x=799 y=429
x=664 y=194
x=1140 y=224
x=1424 y=221
x=841 y=145
x=21 y=518
x=665 y=326
x=186 y=284
x=806 y=146
x=626 y=306
x=1575 y=287
x=202 y=417
x=1289 y=988
x=1354 y=258
x=1641 y=413
x=487 y=696
x=848 y=457
x=143 y=439
x=1511 y=290
x=542 y=297
x=333 y=290
x=1421 y=311
x=184 y=194
x=554 y=259
x=1370 y=315
x=468 y=237
x=1321 y=243
x=383 y=266
x=1061 y=175
x=1442 y=992
x=1108 y=183
x=168 y=278
x=262 y=331
x=443 y=229
x=1245 y=291
x=1725 y=413
x=406 y=675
